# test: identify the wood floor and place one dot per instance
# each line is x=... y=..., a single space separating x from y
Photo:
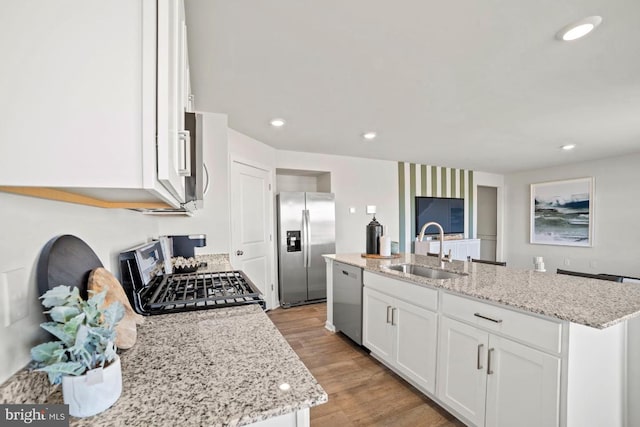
x=362 y=391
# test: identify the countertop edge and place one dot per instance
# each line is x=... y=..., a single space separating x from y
x=374 y=266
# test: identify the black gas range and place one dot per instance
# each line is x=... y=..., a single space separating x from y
x=153 y=289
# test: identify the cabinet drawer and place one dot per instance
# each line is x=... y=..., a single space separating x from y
x=414 y=294
x=545 y=334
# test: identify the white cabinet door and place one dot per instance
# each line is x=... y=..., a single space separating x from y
x=174 y=162
x=378 y=333
x=523 y=386
x=415 y=344
x=462 y=368
x=83 y=79
x=72 y=92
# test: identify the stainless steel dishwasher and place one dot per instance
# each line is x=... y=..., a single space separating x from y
x=347 y=300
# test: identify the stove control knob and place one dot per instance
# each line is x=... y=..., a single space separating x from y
x=239 y=253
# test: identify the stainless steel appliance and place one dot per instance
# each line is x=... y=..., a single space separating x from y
x=197 y=182
x=151 y=290
x=306 y=231
x=184 y=245
x=347 y=300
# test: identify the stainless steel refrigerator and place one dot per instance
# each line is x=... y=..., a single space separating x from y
x=306 y=231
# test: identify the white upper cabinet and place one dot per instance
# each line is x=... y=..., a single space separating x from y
x=78 y=98
x=174 y=160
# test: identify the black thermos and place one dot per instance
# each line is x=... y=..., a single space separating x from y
x=374 y=231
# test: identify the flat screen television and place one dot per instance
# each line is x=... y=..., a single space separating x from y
x=448 y=212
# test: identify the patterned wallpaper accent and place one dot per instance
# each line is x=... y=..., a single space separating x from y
x=431 y=181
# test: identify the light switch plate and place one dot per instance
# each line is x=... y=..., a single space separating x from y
x=16 y=295
x=352 y=210
x=371 y=209
x=567 y=262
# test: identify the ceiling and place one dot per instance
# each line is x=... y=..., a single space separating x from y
x=482 y=85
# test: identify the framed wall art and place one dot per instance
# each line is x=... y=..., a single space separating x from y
x=562 y=212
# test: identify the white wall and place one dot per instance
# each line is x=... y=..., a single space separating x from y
x=27 y=224
x=213 y=218
x=296 y=183
x=243 y=147
x=356 y=182
x=616 y=247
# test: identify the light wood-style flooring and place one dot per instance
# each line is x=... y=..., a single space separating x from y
x=362 y=391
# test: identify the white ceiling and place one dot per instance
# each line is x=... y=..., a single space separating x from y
x=482 y=85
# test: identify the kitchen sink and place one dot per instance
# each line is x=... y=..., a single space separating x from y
x=422 y=271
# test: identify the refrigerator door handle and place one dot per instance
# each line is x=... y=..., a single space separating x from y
x=307 y=238
x=305 y=251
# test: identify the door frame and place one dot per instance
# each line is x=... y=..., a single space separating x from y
x=270 y=296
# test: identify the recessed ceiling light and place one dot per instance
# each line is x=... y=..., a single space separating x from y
x=369 y=135
x=579 y=29
x=568 y=147
x=277 y=123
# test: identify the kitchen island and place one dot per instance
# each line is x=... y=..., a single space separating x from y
x=499 y=346
x=220 y=367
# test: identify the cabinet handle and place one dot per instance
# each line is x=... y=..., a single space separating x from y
x=478 y=363
x=184 y=153
x=239 y=253
x=206 y=179
x=389 y=314
x=487 y=318
x=489 y=370
x=393 y=313
x=346 y=273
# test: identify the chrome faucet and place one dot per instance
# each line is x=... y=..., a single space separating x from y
x=441 y=256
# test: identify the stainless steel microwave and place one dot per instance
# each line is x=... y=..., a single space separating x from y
x=195 y=184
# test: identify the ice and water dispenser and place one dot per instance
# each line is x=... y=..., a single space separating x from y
x=294 y=243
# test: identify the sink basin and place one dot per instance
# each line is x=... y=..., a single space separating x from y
x=422 y=271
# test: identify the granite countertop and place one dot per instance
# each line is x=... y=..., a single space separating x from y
x=215 y=263
x=220 y=367
x=591 y=302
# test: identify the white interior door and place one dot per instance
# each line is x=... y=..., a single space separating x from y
x=251 y=225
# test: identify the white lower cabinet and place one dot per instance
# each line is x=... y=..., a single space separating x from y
x=494 y=381
x=416 y=339
x=494 y=366
x=523 y=385
x=402 y=335
x=462 y=379
x=378 y=333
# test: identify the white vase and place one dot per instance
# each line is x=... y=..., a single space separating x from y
x=93 y=392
